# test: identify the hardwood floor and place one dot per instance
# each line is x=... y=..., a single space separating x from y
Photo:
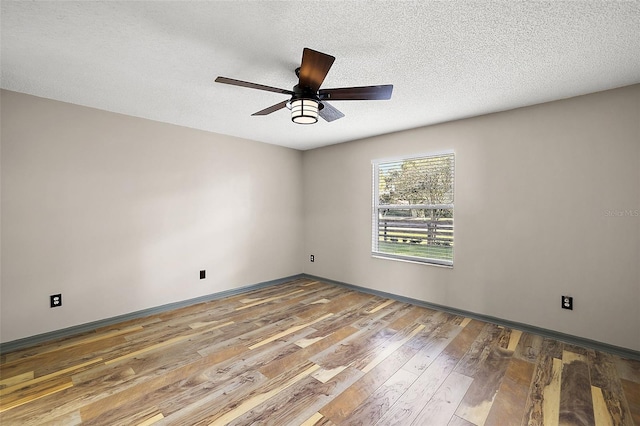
x=310 y=353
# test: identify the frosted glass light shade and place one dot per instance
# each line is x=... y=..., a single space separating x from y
x=304 y=111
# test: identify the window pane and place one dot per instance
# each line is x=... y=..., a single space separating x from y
x=427 y=180
x=413 y=208
x=422 y=233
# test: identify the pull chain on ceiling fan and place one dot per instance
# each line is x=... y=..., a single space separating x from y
x=307 y=101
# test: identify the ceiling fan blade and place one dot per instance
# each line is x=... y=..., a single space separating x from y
x=241 y=83
x=272 y=108
x=314 y=68
x=363 y=93
x=329 y=113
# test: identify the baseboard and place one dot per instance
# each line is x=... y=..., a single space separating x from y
x=567 y=338
x=83 y=328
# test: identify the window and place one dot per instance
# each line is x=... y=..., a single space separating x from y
x=413 y=208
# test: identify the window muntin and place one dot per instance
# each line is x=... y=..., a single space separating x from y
x=413 y=208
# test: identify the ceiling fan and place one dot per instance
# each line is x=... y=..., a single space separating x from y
x=307 y=100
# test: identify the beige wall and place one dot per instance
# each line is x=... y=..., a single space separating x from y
x=538 y=191
x=120 y=214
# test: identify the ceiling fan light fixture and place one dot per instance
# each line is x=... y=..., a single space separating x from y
x=304 y=111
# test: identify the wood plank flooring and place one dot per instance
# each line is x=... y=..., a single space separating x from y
x=310 y=353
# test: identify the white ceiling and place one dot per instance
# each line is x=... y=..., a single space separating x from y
x=447 y=60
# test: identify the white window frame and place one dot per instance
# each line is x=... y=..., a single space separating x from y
x=376 y=207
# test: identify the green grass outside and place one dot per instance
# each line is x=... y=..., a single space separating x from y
x=416 y=250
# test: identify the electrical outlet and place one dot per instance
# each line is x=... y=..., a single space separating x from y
x=312 y=258
x=55 y=300
x=567 y=302
x=203 y=274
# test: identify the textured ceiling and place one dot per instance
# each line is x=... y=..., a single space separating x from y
x=447 y=60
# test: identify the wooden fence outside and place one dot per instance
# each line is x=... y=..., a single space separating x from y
x=416 y=231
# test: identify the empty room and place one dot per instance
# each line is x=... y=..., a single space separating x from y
x=320 y=213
